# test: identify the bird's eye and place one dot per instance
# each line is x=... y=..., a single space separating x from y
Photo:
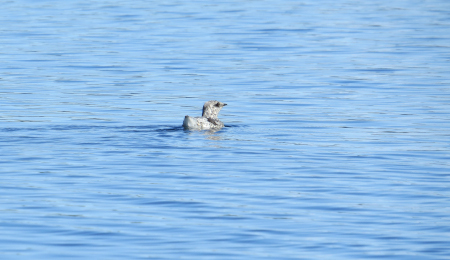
x=217 y=105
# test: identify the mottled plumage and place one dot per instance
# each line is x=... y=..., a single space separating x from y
x=208 y=120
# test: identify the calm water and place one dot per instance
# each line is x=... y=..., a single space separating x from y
x=336 y=145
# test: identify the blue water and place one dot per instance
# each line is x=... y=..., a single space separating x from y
x=336 y=145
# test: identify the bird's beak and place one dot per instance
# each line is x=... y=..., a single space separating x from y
x=224 y=104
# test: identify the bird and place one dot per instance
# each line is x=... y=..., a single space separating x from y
x=208 y=120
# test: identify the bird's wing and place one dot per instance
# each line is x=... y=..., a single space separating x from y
x=213 y=121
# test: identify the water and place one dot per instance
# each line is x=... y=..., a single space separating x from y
x=336 y=143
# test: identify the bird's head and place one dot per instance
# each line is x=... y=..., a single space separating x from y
x=212 y=108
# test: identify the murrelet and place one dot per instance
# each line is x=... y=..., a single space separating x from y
x=208 y=120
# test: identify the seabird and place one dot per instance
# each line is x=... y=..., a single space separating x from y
x=208 y=120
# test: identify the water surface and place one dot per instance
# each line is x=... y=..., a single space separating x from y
x=336 y=143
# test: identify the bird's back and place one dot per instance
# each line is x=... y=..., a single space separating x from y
x=190 y=122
